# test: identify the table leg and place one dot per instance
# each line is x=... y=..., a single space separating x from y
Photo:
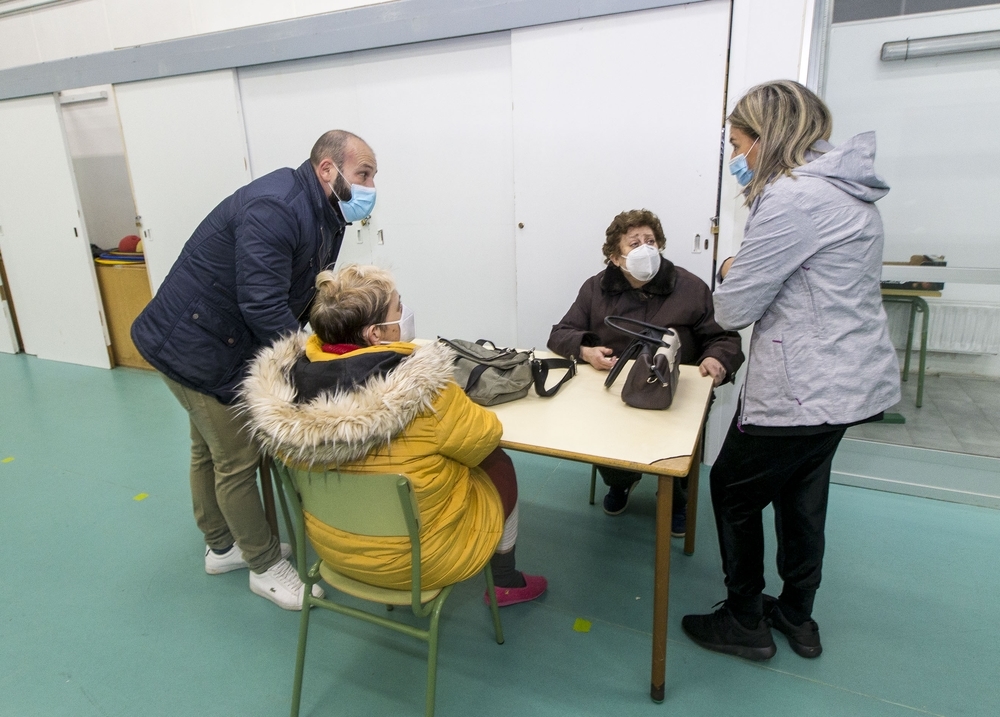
x=267 y=493
x=692 y=507
x=922 y=305
x=661 y=585
x=909 y=338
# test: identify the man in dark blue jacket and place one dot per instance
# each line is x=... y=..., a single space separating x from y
x=245 y=277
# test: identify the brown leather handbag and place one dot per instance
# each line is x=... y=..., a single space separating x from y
x=652 y=381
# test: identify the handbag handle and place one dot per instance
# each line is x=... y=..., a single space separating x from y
x=540 y=371
x=642 y=336
x=630 y=352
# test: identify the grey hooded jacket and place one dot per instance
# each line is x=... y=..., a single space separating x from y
x=808 y=273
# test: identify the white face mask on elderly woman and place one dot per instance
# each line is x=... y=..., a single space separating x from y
x=643 y=262
x=407 y=325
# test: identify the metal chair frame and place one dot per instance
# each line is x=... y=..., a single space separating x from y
x=425 y=604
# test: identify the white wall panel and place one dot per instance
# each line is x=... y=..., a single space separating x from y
x=438 y=117
x=139 y=23
x=315 y=7
x=17 y=42
x=614 y=113
x=43 y=238
x=186 y=152
x=72 y=29
x=131 y=23
x=219 y=15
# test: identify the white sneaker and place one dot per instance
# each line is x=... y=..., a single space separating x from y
x=281 y=585
x=232 y=559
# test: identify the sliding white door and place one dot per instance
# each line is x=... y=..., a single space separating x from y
x=186 y=152
x=43 y=238
x=613 y=113
x=438 y=117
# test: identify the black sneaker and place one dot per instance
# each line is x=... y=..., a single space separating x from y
x=804 y=638
x=616 y=501
x=722 y=632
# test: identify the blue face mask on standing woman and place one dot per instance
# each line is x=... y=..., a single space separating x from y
x=361 y=203
x=739 y=169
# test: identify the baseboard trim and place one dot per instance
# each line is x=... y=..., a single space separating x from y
x=954 y=477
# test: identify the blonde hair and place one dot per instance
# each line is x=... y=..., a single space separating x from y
x=786 y=119
x=348 y=300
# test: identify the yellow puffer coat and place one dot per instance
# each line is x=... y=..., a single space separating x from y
x=414 y=420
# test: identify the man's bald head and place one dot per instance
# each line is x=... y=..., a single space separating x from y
x=335 y=145
x=340 y=159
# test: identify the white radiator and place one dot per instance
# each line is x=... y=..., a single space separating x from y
x=953 y=328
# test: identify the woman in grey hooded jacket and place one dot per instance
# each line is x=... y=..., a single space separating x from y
x=820 y=359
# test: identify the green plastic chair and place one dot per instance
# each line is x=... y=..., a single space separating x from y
x=366 y=504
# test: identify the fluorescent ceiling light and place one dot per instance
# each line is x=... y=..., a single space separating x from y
x=944 y=45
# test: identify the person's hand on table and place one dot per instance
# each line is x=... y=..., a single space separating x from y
x=599 y=357
x=712 y=367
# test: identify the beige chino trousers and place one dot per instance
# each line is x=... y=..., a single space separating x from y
x=224 y=493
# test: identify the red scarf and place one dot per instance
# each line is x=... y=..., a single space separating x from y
x=339 y=349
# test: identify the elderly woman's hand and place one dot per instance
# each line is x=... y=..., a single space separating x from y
x=712 y=367
x=599 y=357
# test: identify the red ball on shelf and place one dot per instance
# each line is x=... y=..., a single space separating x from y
x=129 y=243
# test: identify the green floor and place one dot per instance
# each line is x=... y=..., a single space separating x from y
x=105 y=608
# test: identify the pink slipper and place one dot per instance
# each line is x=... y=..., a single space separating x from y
x=534 y=586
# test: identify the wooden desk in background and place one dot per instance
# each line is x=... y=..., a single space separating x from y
x=586 y=422
x=125 y=292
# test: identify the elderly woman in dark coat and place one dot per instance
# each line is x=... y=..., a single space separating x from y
x=639 y=283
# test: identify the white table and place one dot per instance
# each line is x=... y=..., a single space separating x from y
x=589 y=423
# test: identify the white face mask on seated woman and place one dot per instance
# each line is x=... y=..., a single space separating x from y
x=407 y=325
x=643 y=262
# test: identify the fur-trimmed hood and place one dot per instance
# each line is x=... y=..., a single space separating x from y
x=345 y=426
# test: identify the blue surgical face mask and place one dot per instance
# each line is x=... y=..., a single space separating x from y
x=361 y=203
x=739 y=169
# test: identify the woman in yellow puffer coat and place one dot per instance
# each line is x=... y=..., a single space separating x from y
x=358 y=395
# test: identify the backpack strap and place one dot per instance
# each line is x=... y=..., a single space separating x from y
x=474 y=375
x=540 y=371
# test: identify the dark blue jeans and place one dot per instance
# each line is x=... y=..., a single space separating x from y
x=618 y=478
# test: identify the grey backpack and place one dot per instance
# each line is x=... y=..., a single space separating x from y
x=491 y=375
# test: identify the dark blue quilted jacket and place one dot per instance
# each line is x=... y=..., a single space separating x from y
x=245 y=277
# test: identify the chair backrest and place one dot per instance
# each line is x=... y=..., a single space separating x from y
x=360 y=503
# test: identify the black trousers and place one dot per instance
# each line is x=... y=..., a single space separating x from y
x=793 y=473
x=618 y=478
